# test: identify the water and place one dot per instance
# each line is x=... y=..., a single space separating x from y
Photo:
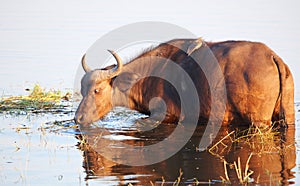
x=36 y=150
x=42 y=42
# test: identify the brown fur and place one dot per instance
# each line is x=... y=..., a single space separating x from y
x=259 y=85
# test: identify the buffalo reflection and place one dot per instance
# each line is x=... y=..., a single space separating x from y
x=271 y=163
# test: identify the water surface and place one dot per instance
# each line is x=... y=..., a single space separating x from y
x=37 y=150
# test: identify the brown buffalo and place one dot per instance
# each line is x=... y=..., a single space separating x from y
x=259 y=85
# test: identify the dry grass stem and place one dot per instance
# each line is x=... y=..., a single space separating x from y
x=243 y=176
x=258 y=140
x=214 y=149
x=177 y=182
x=226 y=179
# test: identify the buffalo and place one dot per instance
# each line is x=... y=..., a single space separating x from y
x=259 y=86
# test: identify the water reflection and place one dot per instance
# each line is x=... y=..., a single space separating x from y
x=272 y=160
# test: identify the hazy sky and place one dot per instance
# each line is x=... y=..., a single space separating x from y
x=43 y=41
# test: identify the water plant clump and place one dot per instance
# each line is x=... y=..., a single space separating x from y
x=37 y=101
x=261 y=140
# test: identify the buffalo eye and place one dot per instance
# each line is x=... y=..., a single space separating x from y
x=96 y=91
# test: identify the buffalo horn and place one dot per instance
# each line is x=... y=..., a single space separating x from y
x=84 y=65
x=118 y=70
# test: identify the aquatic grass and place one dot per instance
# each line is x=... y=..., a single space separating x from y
x=37 y=101
x=215 y=149
x=60 y=126
x=180 y=181
x=226 y=179
x=259 y=139
x=243 y=176
x=85 y=147
x=177 y=181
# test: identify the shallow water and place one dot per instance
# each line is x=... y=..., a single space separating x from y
x=38 y=150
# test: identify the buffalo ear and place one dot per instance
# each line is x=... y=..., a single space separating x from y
x=196 y=44
x=125 y=81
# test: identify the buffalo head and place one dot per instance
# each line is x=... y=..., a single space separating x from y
x=96 y=90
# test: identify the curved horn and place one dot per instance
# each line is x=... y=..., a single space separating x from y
x=118 y=70
x=84 y=65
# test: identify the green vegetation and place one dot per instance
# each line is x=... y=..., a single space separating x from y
x=37 y=101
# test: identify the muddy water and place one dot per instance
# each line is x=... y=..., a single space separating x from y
x=49 y=149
